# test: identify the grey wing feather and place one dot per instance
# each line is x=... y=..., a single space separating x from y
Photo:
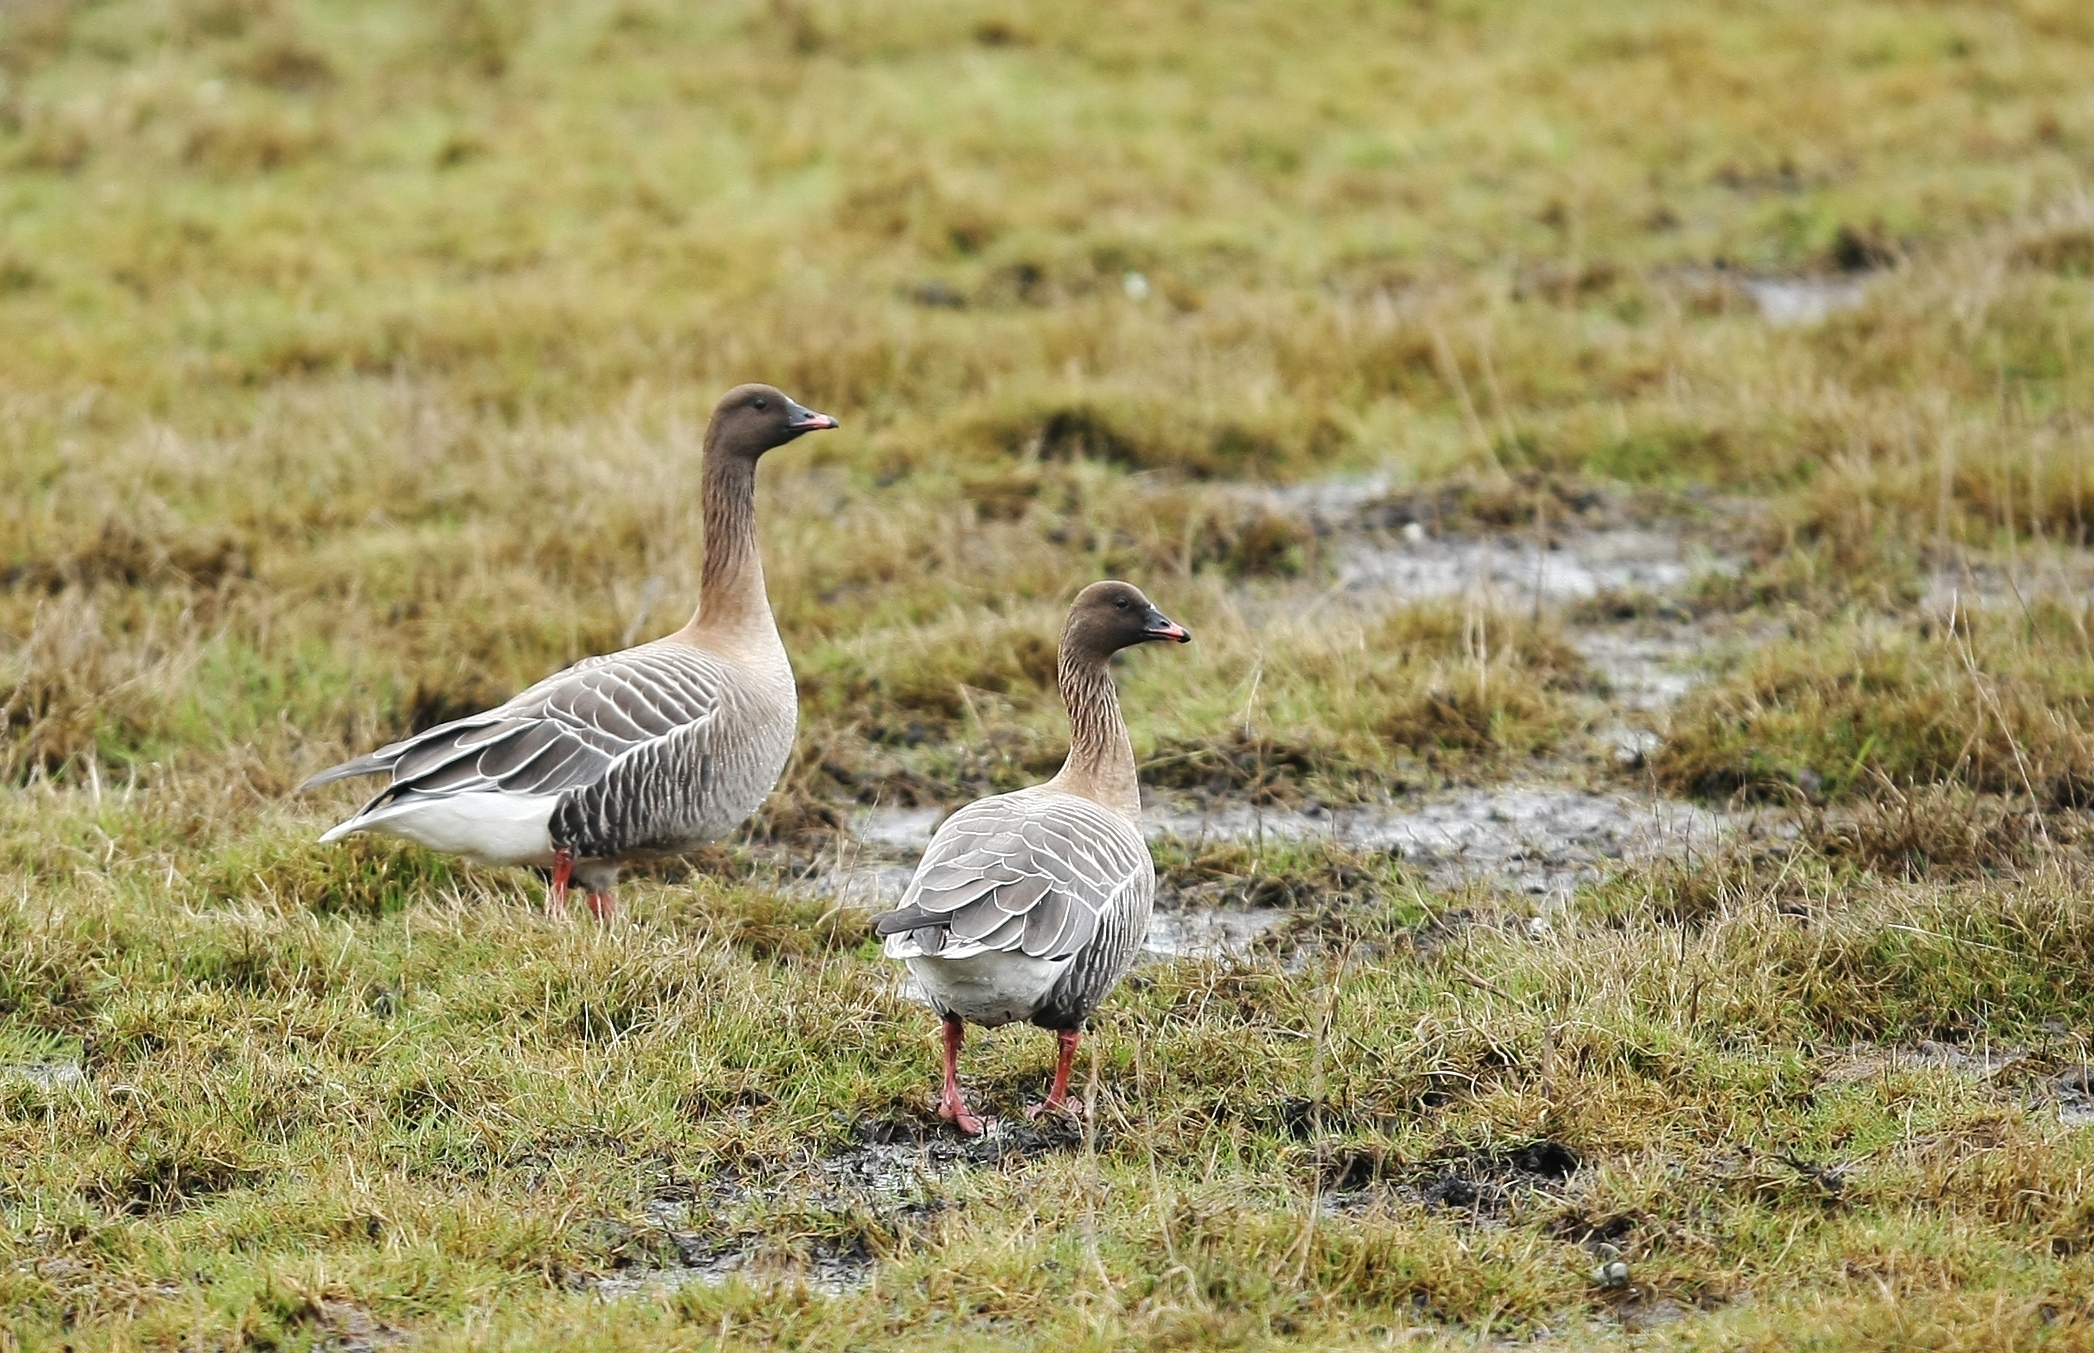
x=368 y=764
x=562 y=734
x=1024 y=872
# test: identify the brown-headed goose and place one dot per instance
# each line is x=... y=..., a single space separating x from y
x=1032 y=905
x=649 y=752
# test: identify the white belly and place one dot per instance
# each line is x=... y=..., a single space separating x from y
x=988 y=988
x=485 y=828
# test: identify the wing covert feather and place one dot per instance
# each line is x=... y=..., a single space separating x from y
x=566 y=732
x=1028 y=872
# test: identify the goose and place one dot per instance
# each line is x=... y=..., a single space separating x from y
x=1031 y=905
x=649 y=752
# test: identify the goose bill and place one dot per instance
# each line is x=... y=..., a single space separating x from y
x=807 y=420
x=1161 y=627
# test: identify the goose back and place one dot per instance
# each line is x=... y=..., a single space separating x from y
x=654 y=750
x=1052 y=889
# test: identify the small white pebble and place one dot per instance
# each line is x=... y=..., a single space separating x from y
x=1413 y=531
x=1136 y=286
x=1613 y=1273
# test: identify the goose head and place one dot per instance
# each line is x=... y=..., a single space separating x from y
x=1110 y=616
x=752 y=419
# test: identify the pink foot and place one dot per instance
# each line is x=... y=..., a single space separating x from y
x=1057 y=1100
x=952 y=1105
x=969 y=1123
x=556 y=895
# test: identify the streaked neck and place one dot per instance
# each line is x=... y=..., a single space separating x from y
x=732 y=605
x=1101 y=758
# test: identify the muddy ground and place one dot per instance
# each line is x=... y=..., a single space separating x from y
x=1624 y=589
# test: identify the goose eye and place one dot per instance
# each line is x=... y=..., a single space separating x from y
x=1120 y=602
x=762 y=403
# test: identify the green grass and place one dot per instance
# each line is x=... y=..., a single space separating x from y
x=356 y=362
x=305 y=1098
x=1862 y=703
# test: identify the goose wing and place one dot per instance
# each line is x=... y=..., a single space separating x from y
x=567 y=732
x=1032 y=872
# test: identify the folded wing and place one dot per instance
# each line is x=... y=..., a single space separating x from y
x=1032 y=873
x=566 y=733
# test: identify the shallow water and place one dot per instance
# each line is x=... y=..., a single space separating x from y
x=1537 y=839
x=829 y=1275
x=1534 y=838
x=1417 y=566
x=1648 y=661
x=1793 y=302
x=44 y=1075
x=1216 y=934
x=2056 y=573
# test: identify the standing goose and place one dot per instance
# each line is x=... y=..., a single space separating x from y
x=649 y=752
x=1031 y=905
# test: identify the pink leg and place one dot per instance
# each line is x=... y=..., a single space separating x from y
x=1057 y=1100
x=556 y=895
x=603 y=905
x=952 y=1105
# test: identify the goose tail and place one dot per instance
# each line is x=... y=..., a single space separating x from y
x=342 y=829
x=381 y=760
x=906 y=919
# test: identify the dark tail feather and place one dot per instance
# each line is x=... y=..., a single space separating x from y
x=907 y=918
x=349 y=770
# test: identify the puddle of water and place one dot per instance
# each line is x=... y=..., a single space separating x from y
x=1212 y=934
x=1791 y=302
x=830 y=1275
x=2074 y=1091
x=2060 y=574
x=1322 y=502
x=865 y=884
x=1537 y=839
x=1645 y=672
x=907 y=829
x=874 y=870
x=1541 y=840
x=44 y=1075
x=1863 y=1063
x=1417 y=566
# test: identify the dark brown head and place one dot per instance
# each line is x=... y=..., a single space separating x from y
x=1110 y=616
x=752 y=419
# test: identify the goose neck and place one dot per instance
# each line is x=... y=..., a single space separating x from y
x=731 y=599
x=1101 y=757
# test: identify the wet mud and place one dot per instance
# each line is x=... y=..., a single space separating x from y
x=851 y=1204
x=2047 y=1078
x=1619 y=586
x=1536 y=839
x=1483 y=1184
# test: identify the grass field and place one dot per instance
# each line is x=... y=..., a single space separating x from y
x=353 y=364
